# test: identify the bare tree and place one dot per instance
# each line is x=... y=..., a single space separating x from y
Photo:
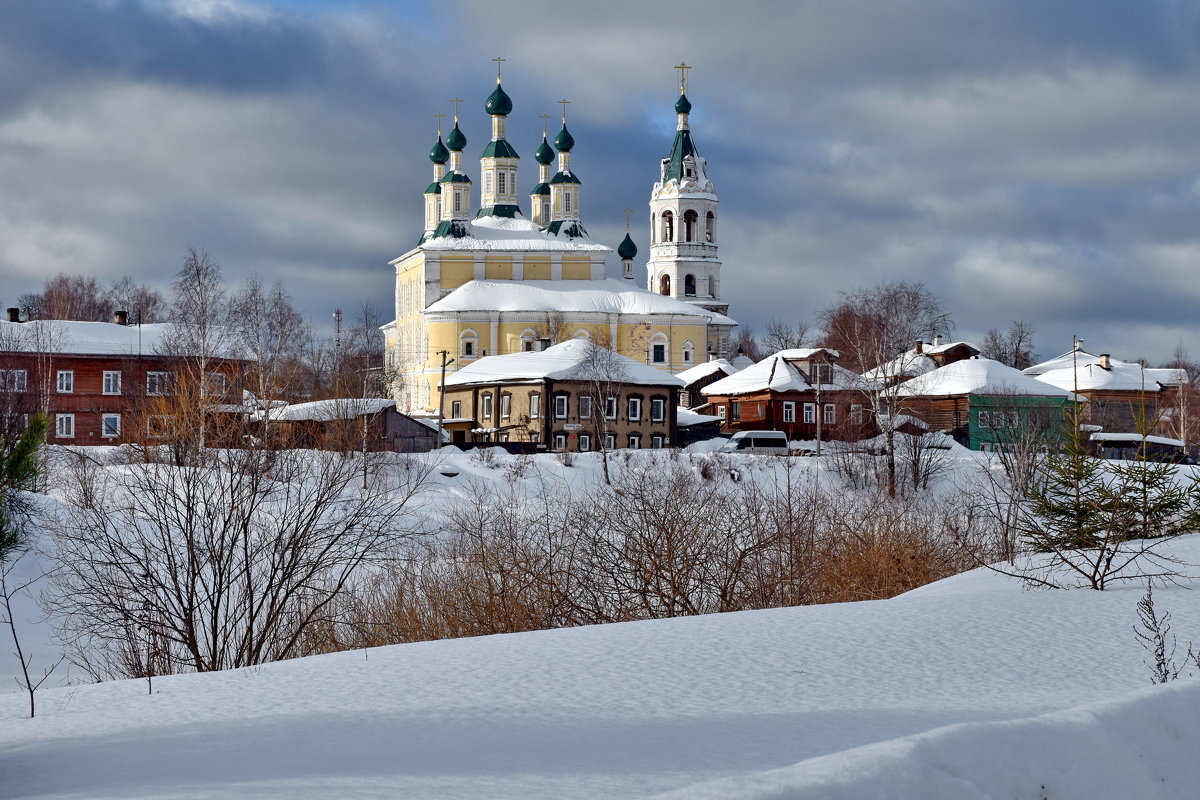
x=782 y=336
x=8 y=592
x=746 y=344
x=1013 y=347
x=272 y=330
x=227 y=565
x=144 y=304
x=603 y=375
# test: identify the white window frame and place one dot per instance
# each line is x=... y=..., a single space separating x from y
x=585 y=407
x=810 y=413
x=610 y=407
x=64 y=426
x=535 y=405
x=984 y=420
x=830 y=414
x=157 y=383
x=610 y=441
x=112 y=382
x=485 y=406
x=657 y=441
x=560 y=442
x=635 y=441
x=634 y=409
x=689 y=351
x=505 y=406
x=658 y=409
x=110 y=422
x=721 y=411
x=789 y=410
x=66 y=381
x=456 y=409
x=585 y=442
x=501 y=183
x=561 y=406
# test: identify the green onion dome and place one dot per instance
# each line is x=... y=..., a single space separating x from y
x=456 y=140
x=627 y=249
x=439 y=154
x=498 y=103
x=543 y=155
x=683 y=105
x=564 y=141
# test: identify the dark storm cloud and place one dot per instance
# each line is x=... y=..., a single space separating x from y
x=1028 y=160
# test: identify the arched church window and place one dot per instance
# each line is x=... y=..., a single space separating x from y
x=653 y=229
x=689 y=352
x=712 y=285
x=668 y=226
x=468 y=344
x=689 y=168
x=689 y=225
x=710 y=227
x=689 y=285
x=659 y=344
x=664 y=285
x=545 y=210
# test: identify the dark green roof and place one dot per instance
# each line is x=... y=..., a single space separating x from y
x=499 y=211
x=627 y=249
x=683 y=105
x=434 y=188
x=543 y=155
x=564 y=177
x=439 y=154
x=681 y=149
x=541 y=188
x=569 y=228
x=498 y=103
x=453 y=228
x=564 y=141
x=456 y=140
x=455 y=177
x=499 y=149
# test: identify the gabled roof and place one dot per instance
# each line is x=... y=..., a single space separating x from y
x=1120 y=376
x=690 y=376
x=101 y=338
x=980 y=376
x=328 y=410
x=941 y=348
x=1067 y=359
x=574 y=359
x=777 y=373
x=907 y=365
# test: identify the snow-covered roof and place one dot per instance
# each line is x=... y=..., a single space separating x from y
x=686 y=417
x=328 y=410
x=935 y=349
x=575 y=359
x=89 y=338
x=690 y=376
x=908 y=364
x=1120 y=376
x=515 y=233
x=777 y=373
x=741 y=361
x=1136 y=437
x=978 y=376
x=608 y=296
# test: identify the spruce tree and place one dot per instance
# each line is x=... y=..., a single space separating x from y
x=19 y=470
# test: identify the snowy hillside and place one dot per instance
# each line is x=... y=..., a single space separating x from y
x=762 y=704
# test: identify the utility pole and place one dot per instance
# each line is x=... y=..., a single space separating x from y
x=442 y=394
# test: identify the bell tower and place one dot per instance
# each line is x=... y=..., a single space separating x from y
x=684 y=262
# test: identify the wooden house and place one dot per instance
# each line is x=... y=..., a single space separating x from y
x=802 y=392
x=351 y=424
x=575 y=396
x=696 y=379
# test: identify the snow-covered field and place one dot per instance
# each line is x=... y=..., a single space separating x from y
x=967 y=688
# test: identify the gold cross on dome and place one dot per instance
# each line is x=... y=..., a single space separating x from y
x=563 y=103
x=439 y=119
x=683 y=68
x=456 y=101
x=543 y=118
x=498 y=61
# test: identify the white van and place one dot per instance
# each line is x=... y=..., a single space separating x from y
x=763 y=442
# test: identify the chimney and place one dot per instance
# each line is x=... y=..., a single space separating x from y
x=937 y=340
x=919 y=348
x=1105 y=361
x=121 y=317
x=14 y=315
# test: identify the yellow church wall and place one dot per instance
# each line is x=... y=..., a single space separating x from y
x=498 y=270
x=576 y=270
x=537 y=270
x=456 y=271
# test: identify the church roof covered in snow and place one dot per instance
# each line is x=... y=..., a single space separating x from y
x=978 y=376
x=508 y=233
x=574 y=359
x=608 y=296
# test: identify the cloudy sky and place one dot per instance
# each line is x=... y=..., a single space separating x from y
x=1025 y=159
